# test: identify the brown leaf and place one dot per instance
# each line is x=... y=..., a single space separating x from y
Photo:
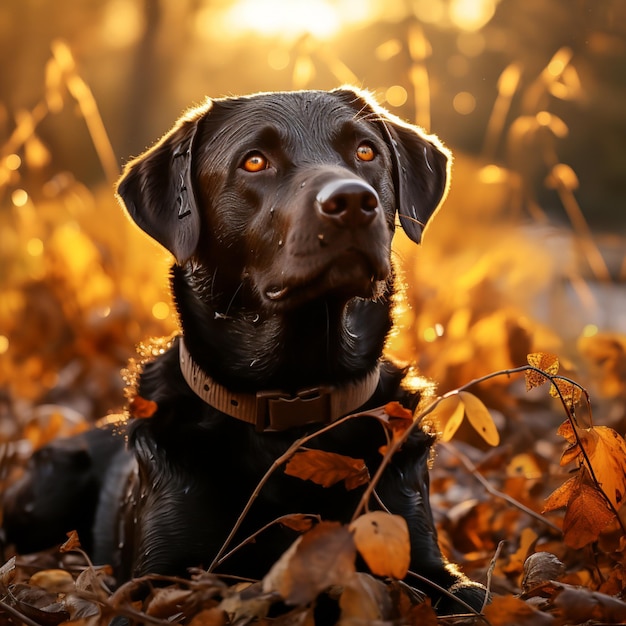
x=583 y=605
x=586 y=516
x=315 y=561
x=328 y=468
x=382 y=540
x=511 y=611
x=167 y=602
x=298 y=521
x=364 y=598
x=209 y=617
x=142 y=408
x=72 y=543
x=559 y=498
x=540 y=567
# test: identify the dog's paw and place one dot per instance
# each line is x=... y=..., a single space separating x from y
x=466 y=593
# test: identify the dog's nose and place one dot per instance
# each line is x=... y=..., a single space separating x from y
x=347 y=203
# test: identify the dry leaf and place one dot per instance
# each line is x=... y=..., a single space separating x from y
x=142 y=408
x=559 y=498
x=395 y=409
x=383 y=541
x=586 y=516
x=479 y=417
x=569 y=392
x=540 y=567
x=209 y=617
x=511 y=611
x=548 y=363
x=72 y=543
x=315 y=561
x=167 y=602
x=582 y=605
x=364 y=598
x=299 y=522
x=328 y=468
x=606 y=451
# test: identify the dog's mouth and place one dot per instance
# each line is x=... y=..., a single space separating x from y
x=349 y=275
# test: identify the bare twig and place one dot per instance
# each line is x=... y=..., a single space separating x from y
x=492 y=490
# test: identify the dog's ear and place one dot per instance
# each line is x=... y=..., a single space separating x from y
x=157 y=189
x=420 y=161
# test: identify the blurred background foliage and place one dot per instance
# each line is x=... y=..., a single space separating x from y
x=528 y=253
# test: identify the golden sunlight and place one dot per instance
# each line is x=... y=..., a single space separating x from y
x=276 y=17
x=471 y=14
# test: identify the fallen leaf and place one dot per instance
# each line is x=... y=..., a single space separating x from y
x=511 y=611
x=364 y=598
x=209 y=617
x=328 y=468
x=583 y=605
x=540 y=567
x=383 y=541
x=53 y=580
x=317 y=560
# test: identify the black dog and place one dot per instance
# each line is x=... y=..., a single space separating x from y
x=279 y=209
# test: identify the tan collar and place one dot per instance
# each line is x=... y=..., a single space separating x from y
x=277 y=410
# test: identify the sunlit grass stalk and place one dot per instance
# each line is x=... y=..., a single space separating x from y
x=88 y=107
x=419 y=49
x=508 y=83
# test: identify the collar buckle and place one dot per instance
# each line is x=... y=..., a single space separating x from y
x=277 y=410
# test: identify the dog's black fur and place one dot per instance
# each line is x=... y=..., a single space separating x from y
x=279 y=209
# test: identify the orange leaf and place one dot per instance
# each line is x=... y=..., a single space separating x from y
x=395 y=409
x=566 y=431
x=480 y=418
x=561 y=495
x=319 y=559
x=606 y=450
x=509 y=611
x=72 y=543
x=328 y=468
x=142 y=408
x=586 y=516
x=548 y=363
x=298 y=522
x=570 y=393
x=382 y=540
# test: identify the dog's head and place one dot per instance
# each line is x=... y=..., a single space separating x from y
x=289 y=195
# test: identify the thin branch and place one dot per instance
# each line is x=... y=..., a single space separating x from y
x=492 y=490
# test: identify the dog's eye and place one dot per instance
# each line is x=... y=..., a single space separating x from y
x=255 y=162
x=365 y=152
